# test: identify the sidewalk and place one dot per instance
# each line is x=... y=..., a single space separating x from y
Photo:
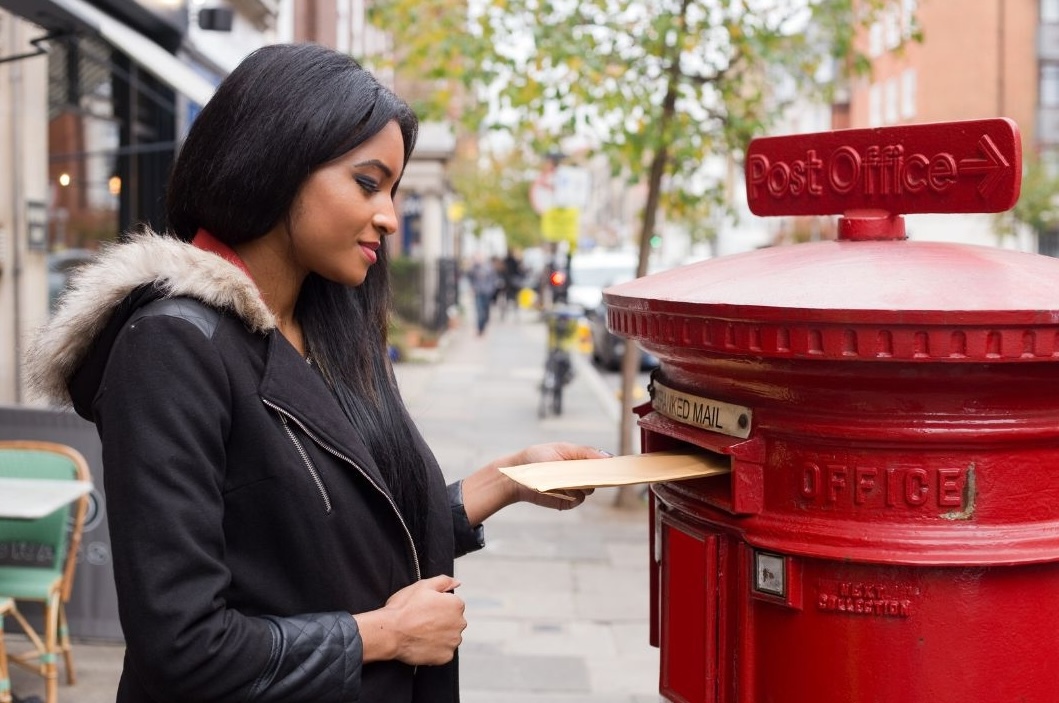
x=556 y=602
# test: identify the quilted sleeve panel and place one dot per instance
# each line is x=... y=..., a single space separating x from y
x=314 y=657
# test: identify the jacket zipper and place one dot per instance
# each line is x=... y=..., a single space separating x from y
x=284 y=416
x=308 y=464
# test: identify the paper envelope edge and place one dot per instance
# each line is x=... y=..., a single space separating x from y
x=626 y=470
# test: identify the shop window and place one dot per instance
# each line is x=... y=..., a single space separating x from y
x=892 y=23
x=1049 y=85
x=908 y=93
x=891 y=97
x=908 y=17
x=875 y=39
x=110 y=144
x=875 y=105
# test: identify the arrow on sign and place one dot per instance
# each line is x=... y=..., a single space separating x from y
x=994 y=165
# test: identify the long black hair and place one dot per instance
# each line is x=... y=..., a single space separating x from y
x=284 y=112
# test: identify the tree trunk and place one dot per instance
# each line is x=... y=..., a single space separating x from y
x=628 y=496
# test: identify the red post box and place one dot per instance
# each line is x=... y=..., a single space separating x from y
x=889 y=529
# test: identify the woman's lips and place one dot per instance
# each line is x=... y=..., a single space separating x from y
x=369 y=252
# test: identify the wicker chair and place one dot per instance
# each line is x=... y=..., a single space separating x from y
x=53 y=541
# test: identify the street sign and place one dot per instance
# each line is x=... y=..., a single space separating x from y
x=968 y=166
x=562 y=187
x=542 y=194
x=571 y=186
x=561 y=224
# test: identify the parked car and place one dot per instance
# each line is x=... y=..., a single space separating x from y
x=608 y=349
x=589 y=275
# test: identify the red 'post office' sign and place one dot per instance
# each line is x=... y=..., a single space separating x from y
x=967 y=166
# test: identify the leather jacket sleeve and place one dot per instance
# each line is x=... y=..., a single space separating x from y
x=311 y=653
x=468 y=538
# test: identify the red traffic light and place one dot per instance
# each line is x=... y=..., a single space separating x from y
x=557 y=278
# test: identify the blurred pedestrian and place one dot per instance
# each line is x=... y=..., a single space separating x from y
x=513 y=275
x=484 y=283
x=280 y=531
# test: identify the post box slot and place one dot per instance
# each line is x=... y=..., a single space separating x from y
x=741 y=490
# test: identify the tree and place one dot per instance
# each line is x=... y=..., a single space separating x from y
x=1038 y=203
x=663 y=88
x=495 y=189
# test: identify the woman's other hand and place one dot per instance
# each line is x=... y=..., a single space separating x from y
x=421 y=624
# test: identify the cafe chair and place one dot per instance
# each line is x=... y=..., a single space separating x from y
x=6 y=606
x=38 y=557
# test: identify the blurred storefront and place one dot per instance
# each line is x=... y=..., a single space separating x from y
x=93 y=132
x=118 y=100
x=97 y=97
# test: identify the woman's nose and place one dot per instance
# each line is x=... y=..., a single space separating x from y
x=385 y=219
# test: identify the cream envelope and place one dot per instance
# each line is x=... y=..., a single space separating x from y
x=618 y=471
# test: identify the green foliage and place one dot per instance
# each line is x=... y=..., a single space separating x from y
x=1038 y=203
x=406 y=276
x=495 y=189
x=684 y=79
x=433 y=46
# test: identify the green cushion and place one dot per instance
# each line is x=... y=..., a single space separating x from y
x=21 y=582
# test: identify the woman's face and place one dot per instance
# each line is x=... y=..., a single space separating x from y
x=345 y=209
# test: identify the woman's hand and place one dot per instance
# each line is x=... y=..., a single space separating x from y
x=559 y=451
x=488 y=490
x=420 y=624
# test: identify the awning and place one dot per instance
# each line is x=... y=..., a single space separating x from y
x=73 y=15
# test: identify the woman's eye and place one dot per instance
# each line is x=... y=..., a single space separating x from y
x=367 y=184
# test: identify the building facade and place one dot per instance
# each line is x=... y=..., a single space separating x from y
x=977 y=59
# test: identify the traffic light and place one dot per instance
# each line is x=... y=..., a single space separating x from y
x=558 y=282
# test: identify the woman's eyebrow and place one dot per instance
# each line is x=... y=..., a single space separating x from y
x=377 y=164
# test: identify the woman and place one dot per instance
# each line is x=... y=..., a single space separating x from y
x=280 y=530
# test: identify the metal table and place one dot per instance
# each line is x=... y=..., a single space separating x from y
x=31 y=498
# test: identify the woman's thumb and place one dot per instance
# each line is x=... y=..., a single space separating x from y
x=442 y=583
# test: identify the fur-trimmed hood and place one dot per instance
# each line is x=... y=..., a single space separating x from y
x=168 y=267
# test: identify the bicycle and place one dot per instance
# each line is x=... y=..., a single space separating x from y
x=558 y=364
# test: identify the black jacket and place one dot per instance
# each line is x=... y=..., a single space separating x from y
x=247 y=520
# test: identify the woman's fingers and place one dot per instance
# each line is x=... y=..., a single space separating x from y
x=430 y=621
